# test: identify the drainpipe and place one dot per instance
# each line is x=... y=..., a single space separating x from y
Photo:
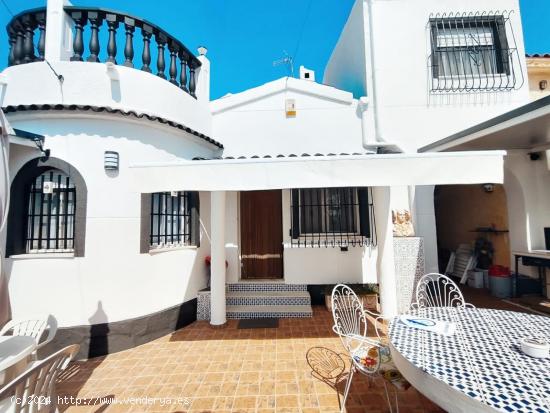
x=370 y=119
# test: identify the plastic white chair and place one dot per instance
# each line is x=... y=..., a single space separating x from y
x=33 y=391
x=34 y=326
x=438 y=290
x=368 y=356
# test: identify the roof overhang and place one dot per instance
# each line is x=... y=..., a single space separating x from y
x=526 y=127
x=18 y=136
x=319 y=172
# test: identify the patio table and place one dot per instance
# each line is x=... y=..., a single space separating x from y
x=481 y=367
x=14 y=356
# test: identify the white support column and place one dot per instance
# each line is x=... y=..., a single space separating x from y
x=386 y=263
x=217 y=264
x=203 y=78
x=59 y=40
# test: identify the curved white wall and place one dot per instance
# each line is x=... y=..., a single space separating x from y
x=86 y=83
x=128 y=284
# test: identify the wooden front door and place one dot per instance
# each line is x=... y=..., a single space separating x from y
x=261 y=234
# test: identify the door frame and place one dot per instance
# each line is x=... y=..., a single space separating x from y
x=239 y=239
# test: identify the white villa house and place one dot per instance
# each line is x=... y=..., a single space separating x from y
x=132 y=192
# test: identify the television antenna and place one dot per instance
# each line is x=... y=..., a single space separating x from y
x=286 y=60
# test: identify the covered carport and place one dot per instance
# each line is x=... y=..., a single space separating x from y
x=524 y=133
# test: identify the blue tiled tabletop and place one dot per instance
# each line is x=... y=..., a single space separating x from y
x=483 y=358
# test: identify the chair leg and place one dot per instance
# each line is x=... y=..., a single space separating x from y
x=396 y=402
x=346 y=391
x=388 y=396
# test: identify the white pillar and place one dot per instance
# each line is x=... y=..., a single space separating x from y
x=203 y=78
x=59 y=38
x=386 y=263
x=217 y=264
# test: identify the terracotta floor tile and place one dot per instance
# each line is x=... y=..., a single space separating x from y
x=228 y=370
x=244 y=402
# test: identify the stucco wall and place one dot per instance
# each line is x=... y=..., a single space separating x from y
x=86 y=83
x=408 y=114
x=113 y=281
x=255 y=122
x=527 y=185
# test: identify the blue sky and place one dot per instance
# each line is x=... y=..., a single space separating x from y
x=244 y=37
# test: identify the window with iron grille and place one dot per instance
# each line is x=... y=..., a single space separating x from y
x=472 y=52
x=171 y=218
x=337 y=217
x=51 y=213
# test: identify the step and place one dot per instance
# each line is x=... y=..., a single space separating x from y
x=265 y=286
x=268 y=311
x=268 y=298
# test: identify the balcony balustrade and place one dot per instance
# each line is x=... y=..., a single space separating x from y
x=27 y=44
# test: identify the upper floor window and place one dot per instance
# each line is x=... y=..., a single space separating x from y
x=51 y=213
x=171 y=218
x=331 y=217
x=472 y=52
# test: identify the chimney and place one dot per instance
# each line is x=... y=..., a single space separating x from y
x=307 y=74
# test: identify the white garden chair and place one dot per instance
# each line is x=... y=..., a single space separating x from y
x=368 y=356
x=33 y=391
x=438 y=290
x=33 y=327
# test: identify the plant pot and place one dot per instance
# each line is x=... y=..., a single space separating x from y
x=370 y=301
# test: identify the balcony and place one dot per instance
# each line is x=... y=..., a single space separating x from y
x=105 y=58
x=26 y=33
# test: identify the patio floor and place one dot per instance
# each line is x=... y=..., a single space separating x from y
x=201 y=369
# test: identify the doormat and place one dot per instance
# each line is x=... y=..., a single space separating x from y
x=258 y=323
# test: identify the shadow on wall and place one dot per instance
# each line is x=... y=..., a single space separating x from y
x=99 y=331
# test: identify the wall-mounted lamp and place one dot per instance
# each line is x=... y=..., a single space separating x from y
x=112 y=71
x=543 y=84
x=110 y=160
x=488 y=187
x=202 y=50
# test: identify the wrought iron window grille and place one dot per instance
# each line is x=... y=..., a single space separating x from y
x=51 y=213
x=473 y=52
x=332 y=217
x=171 y=219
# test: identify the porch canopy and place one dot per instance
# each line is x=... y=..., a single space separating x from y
x=321 y=171
x=317 y=171
x=526 y=127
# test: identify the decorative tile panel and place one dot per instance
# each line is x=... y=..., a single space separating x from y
x=409 y=267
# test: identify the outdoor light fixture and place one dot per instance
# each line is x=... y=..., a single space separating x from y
x=488 y=188
x=111 y=161
x=202 y=50
x=543 y=84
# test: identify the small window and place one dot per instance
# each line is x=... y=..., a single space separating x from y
x=51 y=213
x=331 y=217
x=471 y=52
x=331 y=210
x=171 y=219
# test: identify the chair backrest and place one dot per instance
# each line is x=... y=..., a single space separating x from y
x=349 y=316
x=33 y=326
x=33 y=391
x=438 y=290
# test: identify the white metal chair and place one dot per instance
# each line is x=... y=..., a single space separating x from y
x=368 y=356
x=460 y=262
x=33 y=391
x=438 y=290
x=34 y=326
